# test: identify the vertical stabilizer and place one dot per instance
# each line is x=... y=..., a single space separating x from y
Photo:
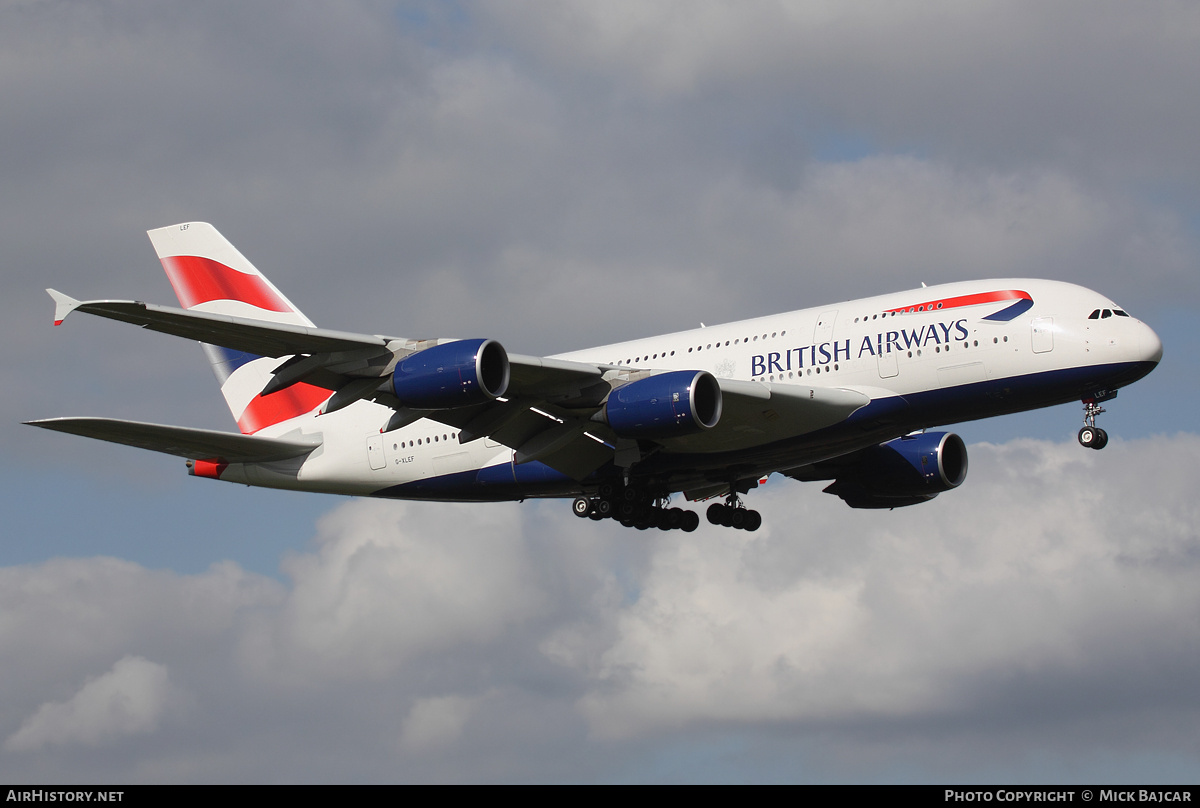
x=210 y=275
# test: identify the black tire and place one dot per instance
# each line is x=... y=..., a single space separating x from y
x=737 y=518
x=1087 y=437
x=691 y=521
x=753 y=521
x=604 y=507
x=716 y=513
x=582 y=506
x=1101 y=439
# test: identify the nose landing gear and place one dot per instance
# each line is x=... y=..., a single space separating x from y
x=1092 y=436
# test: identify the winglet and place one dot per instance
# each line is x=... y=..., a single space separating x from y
x=63 y=305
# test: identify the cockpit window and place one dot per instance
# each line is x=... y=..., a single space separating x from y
x=1104 y=315
x=1094 y=315
x=1119 y=313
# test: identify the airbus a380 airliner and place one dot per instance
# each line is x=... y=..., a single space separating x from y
x=842 y=393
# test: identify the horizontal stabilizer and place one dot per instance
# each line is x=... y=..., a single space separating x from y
x=195 y=444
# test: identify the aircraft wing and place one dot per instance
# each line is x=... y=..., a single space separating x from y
x=239 y=333
x=549 y=412
x=195 y=444
x=568 y=439
x=756 y=413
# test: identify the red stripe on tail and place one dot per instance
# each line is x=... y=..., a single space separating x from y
x=198 y=280
x=263 y=411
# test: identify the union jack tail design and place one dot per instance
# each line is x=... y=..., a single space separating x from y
x=210 y=275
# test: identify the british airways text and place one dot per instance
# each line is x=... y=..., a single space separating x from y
x=841 y=350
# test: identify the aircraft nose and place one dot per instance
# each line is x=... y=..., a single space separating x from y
x=1151 y=345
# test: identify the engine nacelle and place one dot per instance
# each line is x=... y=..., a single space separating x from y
x=904 y=471
x=667 y=405
x=454 y=374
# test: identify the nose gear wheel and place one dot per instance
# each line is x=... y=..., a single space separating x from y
x=1092 y=436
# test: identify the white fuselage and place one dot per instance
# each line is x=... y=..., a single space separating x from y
x=954 y=353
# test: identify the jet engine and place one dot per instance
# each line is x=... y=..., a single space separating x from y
x=904 y=471
x=454 y=374
x=666 y=405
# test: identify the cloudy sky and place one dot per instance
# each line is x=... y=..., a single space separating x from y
x=557 y=175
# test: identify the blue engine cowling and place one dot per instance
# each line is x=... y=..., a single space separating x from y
x=904 y=471
x=670 y=404
x=455 y=374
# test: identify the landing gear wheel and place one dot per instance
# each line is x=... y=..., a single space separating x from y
x=716 y=513
x=604 y=507
x=1092 y=436
x=582 y=506
x=691 y=521
x=675 y=518
x=753 y=521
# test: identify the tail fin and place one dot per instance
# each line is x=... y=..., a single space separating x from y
x=209 y=274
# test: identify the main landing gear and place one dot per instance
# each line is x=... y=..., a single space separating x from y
x=734 y=514
x=634 y=507
x=1092 y=436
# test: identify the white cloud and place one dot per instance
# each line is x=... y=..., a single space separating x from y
x=1051 y=565
x=390 y=582
x=1053 y=593
x=130 y=699
x=435 y=723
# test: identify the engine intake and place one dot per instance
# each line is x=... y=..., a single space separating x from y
x=455 y=374
x=904 y=471
x=667 y=405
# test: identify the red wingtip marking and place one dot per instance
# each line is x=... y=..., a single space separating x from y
x=198 y=280
x=58 y=322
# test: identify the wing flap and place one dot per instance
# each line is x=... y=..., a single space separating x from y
x=755 y=413
x=195 y=444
